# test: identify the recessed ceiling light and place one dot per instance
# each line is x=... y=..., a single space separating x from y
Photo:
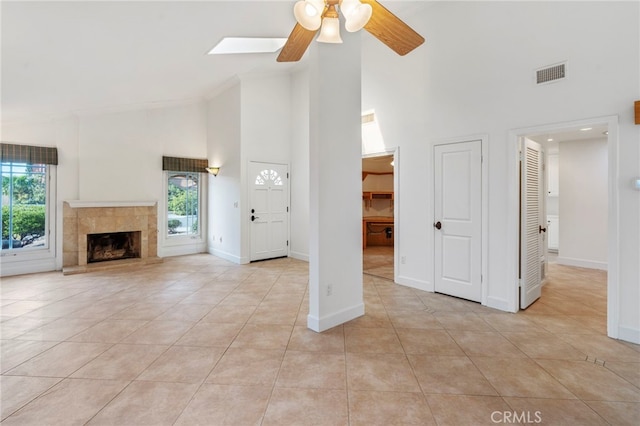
x=550 y=140
x=231 y=45
x=585 y=129
x=606 y=133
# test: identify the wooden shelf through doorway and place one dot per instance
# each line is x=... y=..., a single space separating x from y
x=369 y=196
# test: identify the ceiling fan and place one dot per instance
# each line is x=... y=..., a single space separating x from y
x=312 y=15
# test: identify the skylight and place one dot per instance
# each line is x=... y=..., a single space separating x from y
x=231 y=45
x=372 y=140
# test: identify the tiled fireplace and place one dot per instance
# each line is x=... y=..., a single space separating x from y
x=104 y=235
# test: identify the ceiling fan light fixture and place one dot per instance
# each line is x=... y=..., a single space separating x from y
x=356 y=14
x=308 y=13
x=330 y=31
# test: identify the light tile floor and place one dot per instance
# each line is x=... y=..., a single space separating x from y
x=198 y=340
x=378 y=261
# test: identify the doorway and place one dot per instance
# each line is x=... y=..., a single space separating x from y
x=605 y=130
x=268 y=210
x=379 y=228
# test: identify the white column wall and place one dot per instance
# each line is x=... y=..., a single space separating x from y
x=335 y=255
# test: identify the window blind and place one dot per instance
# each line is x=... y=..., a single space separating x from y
x=178 y=164
x=13 y=153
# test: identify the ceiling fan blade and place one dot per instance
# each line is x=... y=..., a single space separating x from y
x=296 y=44
x=391 y=30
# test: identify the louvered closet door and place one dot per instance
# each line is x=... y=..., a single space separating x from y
x=531 y=227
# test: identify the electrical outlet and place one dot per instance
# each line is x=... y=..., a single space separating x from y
x=403 y=260
x=329 y=290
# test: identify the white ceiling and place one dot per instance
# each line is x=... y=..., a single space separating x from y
x=87 y=56
x=570 y=134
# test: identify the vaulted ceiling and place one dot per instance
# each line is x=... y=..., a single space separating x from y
x=86 y=56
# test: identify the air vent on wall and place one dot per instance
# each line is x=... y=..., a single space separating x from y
x=551 y=73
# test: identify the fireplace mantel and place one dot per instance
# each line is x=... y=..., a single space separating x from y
x=82 y=218
x=78 y=204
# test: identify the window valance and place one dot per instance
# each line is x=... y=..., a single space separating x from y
x=13 y=153
x=178 y=164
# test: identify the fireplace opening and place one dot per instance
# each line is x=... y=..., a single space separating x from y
x=113 y=246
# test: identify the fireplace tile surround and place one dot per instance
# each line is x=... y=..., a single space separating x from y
x=97 y=217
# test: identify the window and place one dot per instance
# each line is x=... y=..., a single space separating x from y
x=268 y=176
x=25 y=202
x=183 y=200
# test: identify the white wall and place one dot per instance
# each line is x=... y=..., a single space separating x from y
x=225 y=192
x=300 y=165
x=395 y=87
x=583 y=203
x=121 y=153
x=265 y=133
x=475 y=76
x=250 y=121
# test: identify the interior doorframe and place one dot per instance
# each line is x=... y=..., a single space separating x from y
x=395 y=151
x=484 y=223
x=513 y=216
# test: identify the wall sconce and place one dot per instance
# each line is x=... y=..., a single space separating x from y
x=213 y=170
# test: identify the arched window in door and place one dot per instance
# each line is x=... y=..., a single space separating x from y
x=268 y=175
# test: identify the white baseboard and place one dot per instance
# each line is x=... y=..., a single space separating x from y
x=500 y=304
x=27 y=267
x=629 y=334
x=329 y=321
x=417 y=284
x=581 y=263
x=226 y=256
x=299 y=256
x=182 y=250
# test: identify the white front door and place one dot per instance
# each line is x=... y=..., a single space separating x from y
x=269 y=210
x=532 y=223
x=458 y=219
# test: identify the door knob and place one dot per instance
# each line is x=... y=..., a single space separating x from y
x=437 y=225
x=253 y=210
x=541 y=229
x=254 y=218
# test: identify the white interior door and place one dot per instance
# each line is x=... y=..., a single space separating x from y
x=269 y=210
x=458 y=219
x=532 y=223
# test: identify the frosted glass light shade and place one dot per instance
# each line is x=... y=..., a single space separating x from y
x=356 y=14
x=347 y=6
x=308 y=13
x=330 y=31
